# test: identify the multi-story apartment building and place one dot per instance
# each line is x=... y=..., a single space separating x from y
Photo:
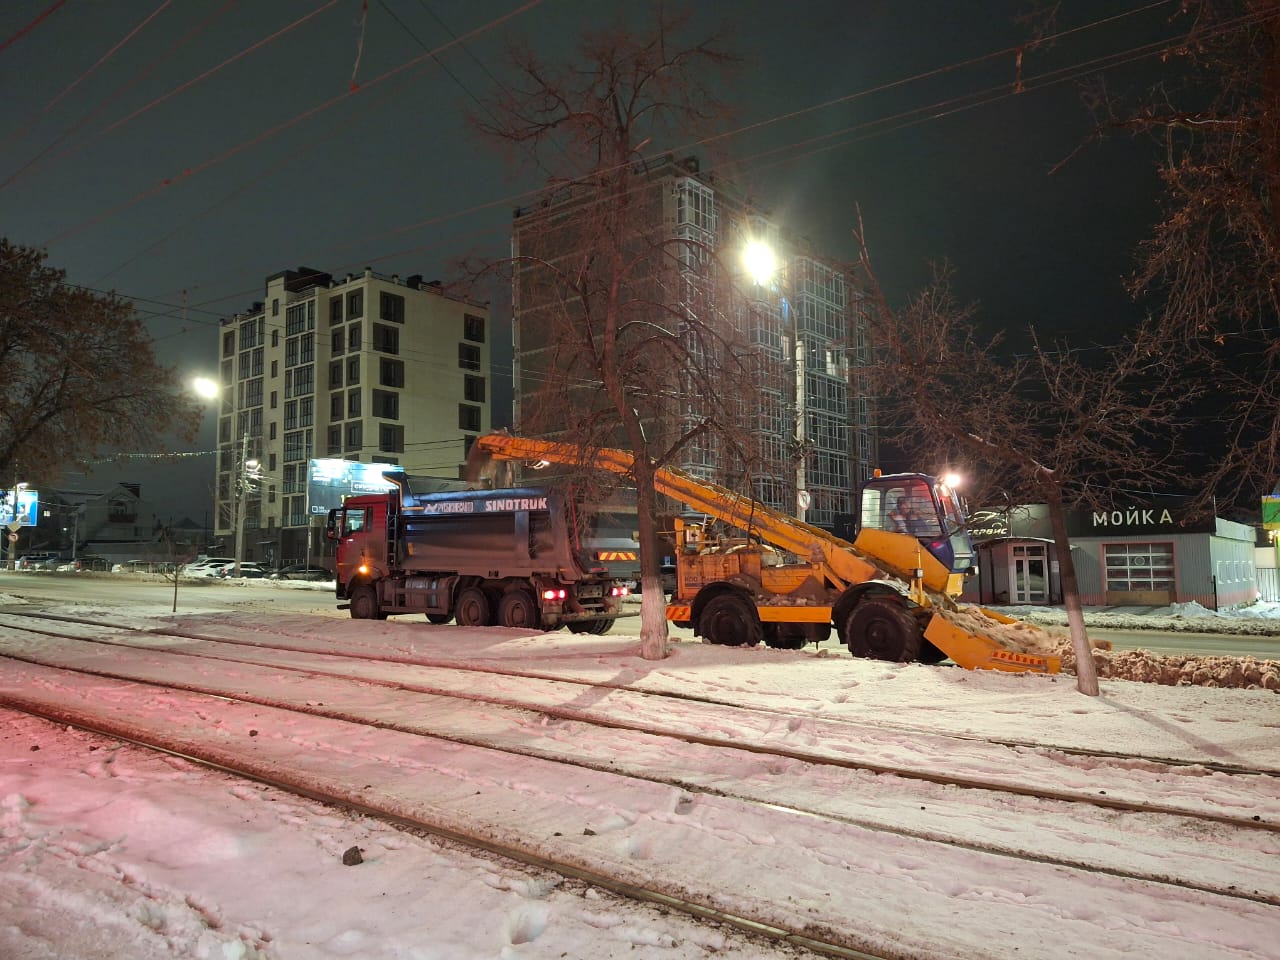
x=371 y=368
x=814 y=423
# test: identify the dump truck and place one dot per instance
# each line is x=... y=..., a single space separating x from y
x=489 y=557
x=764 y=576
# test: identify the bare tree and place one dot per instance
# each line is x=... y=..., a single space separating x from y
x=1058 y=425
x=81 y=380
x=1210 y=271
x=629 y=333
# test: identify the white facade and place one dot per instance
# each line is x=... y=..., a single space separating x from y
x=367 y=367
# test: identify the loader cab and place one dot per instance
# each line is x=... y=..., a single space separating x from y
x=924 y=507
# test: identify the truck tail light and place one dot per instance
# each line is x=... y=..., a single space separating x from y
x=620 y=591
x=554 y=594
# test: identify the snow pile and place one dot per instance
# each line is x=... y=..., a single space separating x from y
x=1179 y=671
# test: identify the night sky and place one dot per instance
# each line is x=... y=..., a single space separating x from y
x=272 y=161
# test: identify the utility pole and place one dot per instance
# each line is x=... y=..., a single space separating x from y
x=241 y=501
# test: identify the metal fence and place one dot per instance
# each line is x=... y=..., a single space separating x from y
x=1268 y=583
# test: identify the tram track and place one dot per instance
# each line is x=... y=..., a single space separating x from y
x=755 y=755
x=284 y=644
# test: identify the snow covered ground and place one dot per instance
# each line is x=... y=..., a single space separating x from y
x=109 y=850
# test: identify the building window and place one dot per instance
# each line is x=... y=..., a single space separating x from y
x=275 y=339
x=275 y=368
x=307 y=349
x=336 y=347
x=295 y=320
x=391 y=373
x=335 y=310
x=473 y=389
x=386 y=405
x=335 y=439
x=306 y=411
x=335 y=406
x=355 y=435
x=391 y=307
x=229 y=344
x=473 y=328
x=468 y=417
x=386 y=339
x=291 y=415
x=391 y=438
x=353 y=337
x=335 y=374
x=353 y=403
x=1139 y=566
x=122 y=510
x=275 y=307
x=274 y=397
x=271 y=431
x=353 y=371
x=355 y=304
x=468 y=356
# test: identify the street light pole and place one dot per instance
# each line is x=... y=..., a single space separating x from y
x=241 y=501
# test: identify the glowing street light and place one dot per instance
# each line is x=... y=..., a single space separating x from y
x=760 y=261
x=205 y=387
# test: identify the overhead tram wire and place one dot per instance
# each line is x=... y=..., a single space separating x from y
x=191 y=34
x=938 y=71
x=40 y=18
x=190 y=172
x=992 y=94
x=291 y=157
x=525 y=195
x=87 y=73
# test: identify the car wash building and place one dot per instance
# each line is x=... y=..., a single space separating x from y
x=1135 y=554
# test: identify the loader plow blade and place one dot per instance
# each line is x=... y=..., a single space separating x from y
x=979 y=639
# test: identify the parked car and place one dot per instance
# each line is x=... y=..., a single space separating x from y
x=208 y=567
x=248 y=570
x=83 y=564
x=39 y=561
x=300 y=571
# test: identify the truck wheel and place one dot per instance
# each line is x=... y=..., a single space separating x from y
x=518 y=609
x=731 y=621
x=883 y=630
x=601 y=626
x=364 y=604
x=473 y=608
x=438 y=618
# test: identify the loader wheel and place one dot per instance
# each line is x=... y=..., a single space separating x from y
x=731 y=621
x=883 y=630
x=929 y=653
x=473 y=608
x=518 y=609
x=364 y=604
x=438 y=618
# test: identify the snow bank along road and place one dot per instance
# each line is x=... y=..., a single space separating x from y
x=653 y=791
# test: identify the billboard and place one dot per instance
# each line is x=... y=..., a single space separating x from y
x=329 y=482
x=1271 y=513
x=28 y=501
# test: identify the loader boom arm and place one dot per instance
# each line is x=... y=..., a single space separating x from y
x=844 y=562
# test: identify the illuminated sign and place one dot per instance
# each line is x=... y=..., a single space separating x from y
x=329 y=482
x=1271 y=513
x=28 y=500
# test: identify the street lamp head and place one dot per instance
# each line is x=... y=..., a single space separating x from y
x=205 y=387
x=760 y=262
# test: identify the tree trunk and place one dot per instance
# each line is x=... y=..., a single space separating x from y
x=1086 y=672
x=653 y=620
